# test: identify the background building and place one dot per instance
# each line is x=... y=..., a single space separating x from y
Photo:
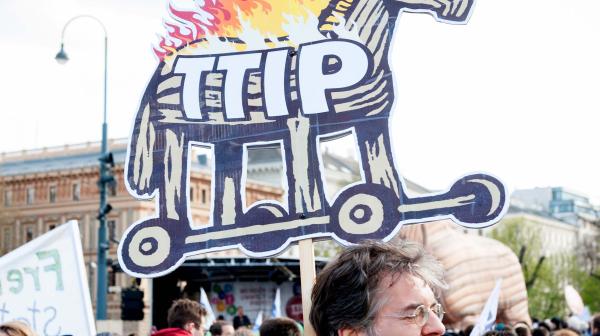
x=43 y=188
x=567 y=220
x=566 y=205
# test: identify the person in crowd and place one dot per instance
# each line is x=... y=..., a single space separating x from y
x=279 y=326
x=453 y=332
x=185 y=318
x=503 y=332
x=559 y=323
x=577 y=323
x=377 y=288
x=241 y=320
x=243 y=331
x=221 y=328
x=565 y=332
x=546 y=326
x=595 y=325
x=540 y=331
x=468 y=329
x=522 y=329
x=15 y=328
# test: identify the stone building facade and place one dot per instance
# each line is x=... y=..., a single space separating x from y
x=41 y=189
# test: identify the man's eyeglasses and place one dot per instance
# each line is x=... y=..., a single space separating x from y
x=421 y=314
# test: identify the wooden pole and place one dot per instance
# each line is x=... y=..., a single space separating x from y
x=307 y=279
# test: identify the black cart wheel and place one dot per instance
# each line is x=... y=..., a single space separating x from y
x=366 y=211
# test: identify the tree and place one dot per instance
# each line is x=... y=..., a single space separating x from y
x=588 y=276
x=589 y=289
x=589 y=254
x=545 y=276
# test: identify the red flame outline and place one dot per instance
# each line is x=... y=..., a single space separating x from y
x=222 y=17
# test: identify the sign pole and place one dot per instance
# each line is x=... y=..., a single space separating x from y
x=307 y=279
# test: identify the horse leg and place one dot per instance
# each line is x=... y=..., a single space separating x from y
x=376 y=155
x=227 y=199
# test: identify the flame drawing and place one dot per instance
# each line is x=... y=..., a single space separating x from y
x=230 y=20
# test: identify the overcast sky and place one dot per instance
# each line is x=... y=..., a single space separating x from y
x=513 y=93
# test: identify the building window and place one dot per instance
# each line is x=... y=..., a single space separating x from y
x=30 y=195
x=28 y=233
x=7 y=198
x=112 y=189
x=203 y=196
x=192 y=194
x=51 y=227
x=52 y=194
x=92 y=243
x=112 y=230
x=76 y=191
x=556 y=194
x=112 y=277
x=7 y=239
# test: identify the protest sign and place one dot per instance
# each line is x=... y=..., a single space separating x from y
x=235 y=75
x=43 y=284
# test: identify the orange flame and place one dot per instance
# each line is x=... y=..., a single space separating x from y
x=226 y=19
x=213 y=17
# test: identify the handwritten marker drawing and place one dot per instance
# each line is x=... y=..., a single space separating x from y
x=238 y=74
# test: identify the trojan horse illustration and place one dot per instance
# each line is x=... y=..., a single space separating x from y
x=235 y=74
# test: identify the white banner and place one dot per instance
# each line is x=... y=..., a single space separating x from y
x=487 y=319
x=276 y=310
x=43 y=283
x=210 y=314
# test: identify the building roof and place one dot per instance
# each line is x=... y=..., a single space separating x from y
x=265 y=155
x=65 y=157
x=86 y=155
x=54 y=163
x=58 y=158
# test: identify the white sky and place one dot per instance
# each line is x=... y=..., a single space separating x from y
x=513 y=93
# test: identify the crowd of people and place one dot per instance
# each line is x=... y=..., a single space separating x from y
x=380 y=289
x=549 y=327
x=370 y=289
x=186 y=318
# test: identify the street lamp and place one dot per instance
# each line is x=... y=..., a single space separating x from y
x=105 y=178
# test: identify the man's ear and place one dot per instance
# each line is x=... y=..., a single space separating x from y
x=350 y=332
x=189 y=326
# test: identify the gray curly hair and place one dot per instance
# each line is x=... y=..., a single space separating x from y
x=348 y=293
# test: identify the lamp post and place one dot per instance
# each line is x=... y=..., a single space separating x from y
x=105 y=178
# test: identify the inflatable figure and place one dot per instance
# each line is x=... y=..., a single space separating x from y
x=236 y=74
x=473 y=264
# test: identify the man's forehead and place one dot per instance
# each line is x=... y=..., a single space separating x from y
x=406 y=291
x=409 y=279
